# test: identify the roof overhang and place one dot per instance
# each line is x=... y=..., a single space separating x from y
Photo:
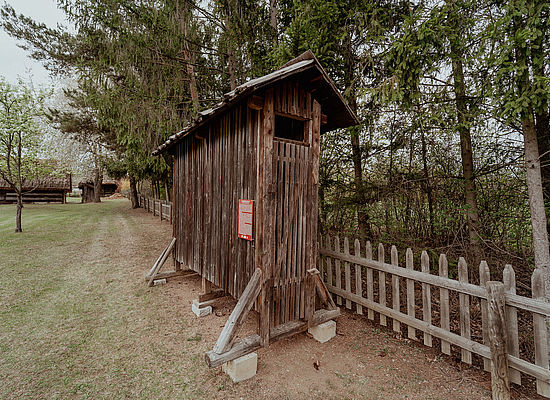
x=307 y=69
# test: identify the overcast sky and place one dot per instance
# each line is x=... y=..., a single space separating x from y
x=15 y=61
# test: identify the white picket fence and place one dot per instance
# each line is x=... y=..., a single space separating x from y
x=350 y=276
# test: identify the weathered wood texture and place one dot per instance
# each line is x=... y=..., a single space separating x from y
x=440 y=282
x=496 y=323
x=239 y=156
x=211 y=173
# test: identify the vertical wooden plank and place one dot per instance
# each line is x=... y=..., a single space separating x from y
x=509 y=280
x=338 y=271
x=266 y=236
x=540 y=332
x=500 y=382
x=358 y=281
x=381 y=284
x=370 y=280
x=314 y=178
x=395 y=288
x=347 y=272
x=426 y=297
x=464 y=300
x=328 y=246
x=444 y=303
x=411 y=304
x=484 y=277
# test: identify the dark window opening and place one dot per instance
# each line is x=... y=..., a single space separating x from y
x=289 y=128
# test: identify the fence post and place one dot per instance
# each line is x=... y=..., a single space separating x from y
x=540 y=332
x=500 y=382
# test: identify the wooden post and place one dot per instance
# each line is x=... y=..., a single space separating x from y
x=509 y=280
x=426 y=297
x=444 y=303
x=381 y=284
x=370 y=280
x=500 y=381
x=395 y=289
x=540 y=332
x=358 y=280
x=464 y=302
x=484 y=277
x=265 y=227
x=411 y=307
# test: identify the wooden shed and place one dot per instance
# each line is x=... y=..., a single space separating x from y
x=46 y=189
x=108 y=187
x=245 y=200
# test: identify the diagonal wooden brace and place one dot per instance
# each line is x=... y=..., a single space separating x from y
x=237 y=317
x=160 y=262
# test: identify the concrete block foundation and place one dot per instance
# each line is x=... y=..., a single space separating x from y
x=242 y=368
x=323 y=332
x=200 y=311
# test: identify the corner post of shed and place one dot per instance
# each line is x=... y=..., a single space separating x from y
x=313 y=252
x=265 y=229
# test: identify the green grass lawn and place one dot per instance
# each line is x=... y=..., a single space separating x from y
x=76 y=319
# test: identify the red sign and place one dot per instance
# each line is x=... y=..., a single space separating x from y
x=246 y=219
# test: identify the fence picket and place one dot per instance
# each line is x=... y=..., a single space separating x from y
x=381 y=284
x=329 y=261
x=540 y=332
x=354 y=294
x=444 y=303
x=347 y=272
x=395 y=289
x=426 y=297
x=411 y=306
x=464 y=300
x=321 y=259
x=370 y=280
x=338 y=270
x=358 y=281
x=484 y=277
x=509 y=280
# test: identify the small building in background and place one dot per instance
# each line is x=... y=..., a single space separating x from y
x=47 y=189
x=108 y=188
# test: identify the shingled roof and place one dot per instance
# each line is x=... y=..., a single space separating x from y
x=339 y=114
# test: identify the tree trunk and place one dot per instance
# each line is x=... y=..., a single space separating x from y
x=536 y=199
x=273 y=19
x=463 y=123
x=429 y=191
x=542 y=123
x=351 y=97
x=133 y=192
x=18 y=227
x=98 y=178
x=182 y=14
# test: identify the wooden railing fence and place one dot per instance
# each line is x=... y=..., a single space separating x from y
x=375 y=286
x=158 y=207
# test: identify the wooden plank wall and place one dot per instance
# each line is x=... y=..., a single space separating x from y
x=294 y=174
x=291 y=233
x=36 y=196
x=213 y=169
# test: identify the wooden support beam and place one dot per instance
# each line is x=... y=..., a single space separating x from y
x=172 y=274
x=323 y=293
x=239 y=313
x=252 y=342
x=256 y=102
x=500 y=381
x=309 y=295
x=160 y=262
x=212 y=295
